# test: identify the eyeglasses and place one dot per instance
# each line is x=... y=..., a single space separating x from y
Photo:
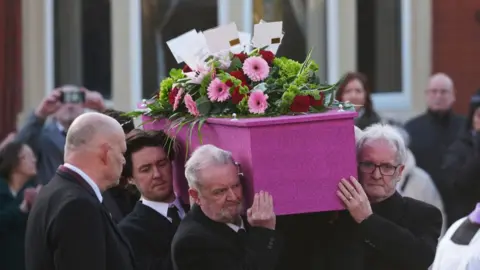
x=385 y=169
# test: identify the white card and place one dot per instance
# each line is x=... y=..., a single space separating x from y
x=181 y=45
x=274 y=47
x=244 y=45
x=222 y=38
x=267 y=33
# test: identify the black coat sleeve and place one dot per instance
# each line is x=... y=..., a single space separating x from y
x=197 y=252
x=78 y=237
x=462 y=167
x=11 y=217
x=413 y=249
x=145 y=257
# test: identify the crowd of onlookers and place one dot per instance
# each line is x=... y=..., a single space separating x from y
x=441 y=165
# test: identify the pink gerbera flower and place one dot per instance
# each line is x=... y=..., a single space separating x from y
x=218 y=91
x=257 y=102
x=191 y=105
x=178 y=98
x=256 y=68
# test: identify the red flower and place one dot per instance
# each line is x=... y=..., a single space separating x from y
x=236 y=96
x=238 y=74
x=241 y=56
x=300 y=104
x=172 y=95
x=319 y=102
x=267 y=56
x=186 y=68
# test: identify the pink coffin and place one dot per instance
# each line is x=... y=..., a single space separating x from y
x=298 y=159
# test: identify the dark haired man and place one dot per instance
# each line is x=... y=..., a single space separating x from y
x=153 y=222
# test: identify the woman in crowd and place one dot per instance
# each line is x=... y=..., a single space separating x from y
x=354 y=89
x=17 y=167
x=462 y=166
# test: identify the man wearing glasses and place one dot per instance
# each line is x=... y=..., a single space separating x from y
x=383 y=229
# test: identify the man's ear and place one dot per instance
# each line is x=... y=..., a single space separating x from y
x=193 y=193
x=103 y=153
x=400 y=170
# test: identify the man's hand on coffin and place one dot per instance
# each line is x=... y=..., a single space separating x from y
x=261 y=213
x=355 y=199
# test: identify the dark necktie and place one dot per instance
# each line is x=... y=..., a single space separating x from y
x=64 y=133
x=242 y=235
x=173 y=214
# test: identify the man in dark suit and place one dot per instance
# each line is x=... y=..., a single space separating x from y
x=213 y=235
x=68 y=227
x=155 y=218
x=383 y=229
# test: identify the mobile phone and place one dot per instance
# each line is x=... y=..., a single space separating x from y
x=72 y=96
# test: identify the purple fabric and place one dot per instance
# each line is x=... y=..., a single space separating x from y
x=475 y=215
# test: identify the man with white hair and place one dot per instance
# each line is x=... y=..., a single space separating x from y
x=432 y=132
x=386 y=230
x=68 y=227
x=213 y=235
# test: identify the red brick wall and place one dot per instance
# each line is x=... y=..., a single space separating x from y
x=10 y=65
x=456 y=46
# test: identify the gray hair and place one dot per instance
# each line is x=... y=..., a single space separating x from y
x=384 y=132
x=358 y=133
x=205 y=156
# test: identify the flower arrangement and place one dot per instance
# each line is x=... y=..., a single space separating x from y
x=253 y=83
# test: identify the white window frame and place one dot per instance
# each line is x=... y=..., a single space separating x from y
x=382 y=101
x=401 y=100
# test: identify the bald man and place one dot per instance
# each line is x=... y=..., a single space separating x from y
x=434 y=131
x=68 y=227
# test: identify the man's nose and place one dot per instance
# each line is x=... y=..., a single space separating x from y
x=376 y=173
x=156 y=172
x=231 y=195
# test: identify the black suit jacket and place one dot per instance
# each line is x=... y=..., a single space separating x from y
x=13 y=223
x=401 y=234
x=150 y=235
x=203 y=244
x=69 y=229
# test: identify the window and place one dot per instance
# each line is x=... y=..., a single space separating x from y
x=384 y=34
x=379 y=44
x=304 y=26
x=82 y=32
x=163 y=20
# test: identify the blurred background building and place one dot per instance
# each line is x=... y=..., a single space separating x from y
x=118 y=47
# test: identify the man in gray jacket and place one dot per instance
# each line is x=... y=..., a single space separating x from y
x=46 y=128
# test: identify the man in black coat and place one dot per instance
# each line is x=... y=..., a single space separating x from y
x=213 y=235
x=154 y=220
x=68 y=227
x=384 y=230
x=432 y=133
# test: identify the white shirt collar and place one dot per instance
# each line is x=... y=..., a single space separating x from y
x=236 y=228
x=162 y=207
x=60 y=127
x=87 y=179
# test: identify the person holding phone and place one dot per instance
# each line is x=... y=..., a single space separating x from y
x=47 y=138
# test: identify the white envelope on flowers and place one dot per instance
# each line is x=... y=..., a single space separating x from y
x=268 y=34
x=189 y=47
x=179 y=46
x=222 y=38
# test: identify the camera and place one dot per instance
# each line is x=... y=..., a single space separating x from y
x=72 y=94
